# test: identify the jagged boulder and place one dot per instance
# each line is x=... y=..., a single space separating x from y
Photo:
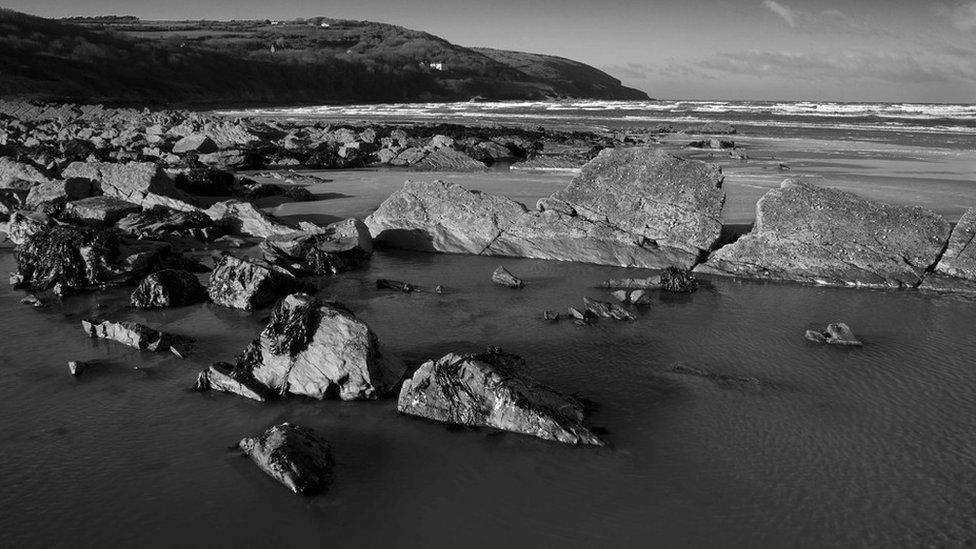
x=142 y=183
x=446 y=159
x=503 y=277
x=24 y=224
x=226 y=378
x=137 y=335
x=248 y=284
x=294 y=456
x=442 y=217
x=956 y=269
x=335 y=248
x=492 y=389
x=168 y=288
x=243 y=218
x=314 y=349
x=79 y=257
x=99 y=211
x=808 y=233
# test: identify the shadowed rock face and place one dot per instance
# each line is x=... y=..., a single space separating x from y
x=99 y=211
x=492 y=389
x=956 y=270
x=330 y=250
x=292 y=455
x=630 y=207
x=807 y=233
x=168 y=288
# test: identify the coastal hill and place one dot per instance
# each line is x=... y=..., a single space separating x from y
x=124 y=60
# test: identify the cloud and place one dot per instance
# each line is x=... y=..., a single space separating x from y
x=785 y=12
x=891 y=67
x=963 y=17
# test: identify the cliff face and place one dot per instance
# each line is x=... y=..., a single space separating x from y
x=125 y=60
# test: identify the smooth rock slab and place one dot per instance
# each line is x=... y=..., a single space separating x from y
x=492 y=389
x=812 y=234
x=294 y=456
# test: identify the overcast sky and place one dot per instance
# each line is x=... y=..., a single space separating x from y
x=847 y=50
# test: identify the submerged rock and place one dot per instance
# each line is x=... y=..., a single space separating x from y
x=77 y=367
x=836 y=334
x=314 y=349
x=294 y=456
x=248 y=284
x=137 y=335
x=807 y=233
x=168 y=288
x=386 y=284
x=492 y=389
x=503 y=277
x=606 y=309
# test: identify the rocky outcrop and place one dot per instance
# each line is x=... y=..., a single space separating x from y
x=294 y=456
x=78 y=257
x=314 y=349
x=142 y=183
x=99 y=211
x=168 y=288
x=630 y=207
x=137 y=335
x=813 y=234
x=956 y=269
x=327 y=251
x=248 y=283
x=492 y=389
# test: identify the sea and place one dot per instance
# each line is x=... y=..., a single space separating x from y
x=776 y=442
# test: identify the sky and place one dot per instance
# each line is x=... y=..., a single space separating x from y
x=821 y=50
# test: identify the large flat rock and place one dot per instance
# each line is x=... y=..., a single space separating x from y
x=813 y=234
x=629 y=207
x=142 y=183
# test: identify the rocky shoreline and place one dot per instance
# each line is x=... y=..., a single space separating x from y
x=95 y=198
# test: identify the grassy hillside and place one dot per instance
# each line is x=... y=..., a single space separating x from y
x=125 y=60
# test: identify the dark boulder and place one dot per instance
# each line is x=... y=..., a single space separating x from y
x=168 y=288
x=678 y=280
x=326 y=251
x=99 y=211
x=206 y=182
x=294 y=456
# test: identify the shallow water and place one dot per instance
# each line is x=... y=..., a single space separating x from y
x=830 y=447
